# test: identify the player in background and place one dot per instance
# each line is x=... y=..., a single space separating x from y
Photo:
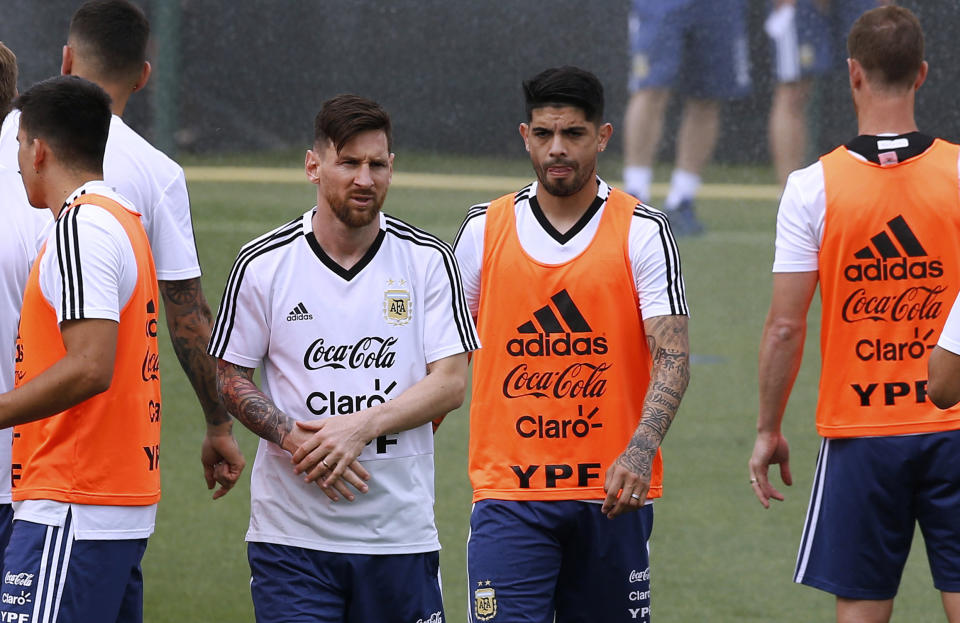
x=358 y=323
x=85 y=409
x=20 y=239
x=700 y=51
x=876 y=223
x=579 y=300
x=107 y=44
x=808 y=42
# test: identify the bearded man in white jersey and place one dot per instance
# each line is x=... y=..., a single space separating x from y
x=359 y=325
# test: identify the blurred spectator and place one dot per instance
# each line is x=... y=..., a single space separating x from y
x=700 y=51
x=809 y=40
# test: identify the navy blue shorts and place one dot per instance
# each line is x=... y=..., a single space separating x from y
x=868 y=493
x=699 y=50
x=298 y=585
x=819 y=43
x=6 y=528
x=49 y=576
x=529 y=560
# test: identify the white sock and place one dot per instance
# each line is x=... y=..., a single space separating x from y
x=637 y=180
x=683 y=186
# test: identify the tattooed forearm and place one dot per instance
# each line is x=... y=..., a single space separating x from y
x=669 y=347
x=251 y=406
x=189 y=320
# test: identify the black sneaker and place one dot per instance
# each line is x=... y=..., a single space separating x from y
x=683 y=220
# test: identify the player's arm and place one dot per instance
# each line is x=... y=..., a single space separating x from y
x=943 y=384
x=337 y=441
x=628 y=479
x=189 y=321
x=83 y=372
x=781 y=352
x=241 y=396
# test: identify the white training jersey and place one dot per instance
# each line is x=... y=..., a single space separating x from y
x=330 y=341
x=800 y=219
x=652 y=249
x=20 y=239
x=151 y=181
x=96 y=284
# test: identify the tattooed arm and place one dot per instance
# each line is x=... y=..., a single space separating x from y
x=630 y=474
x=256 y=411
x=189 y=321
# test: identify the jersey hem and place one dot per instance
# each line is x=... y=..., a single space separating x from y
x=891 y=430
x=98 y=499
x=344 y=548
x=540 y=495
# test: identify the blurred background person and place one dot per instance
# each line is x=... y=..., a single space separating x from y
x=700 y=51
x=808 y=38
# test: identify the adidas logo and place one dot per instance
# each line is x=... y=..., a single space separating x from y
x=886 y=260
x=299 y=313
x=549 y=336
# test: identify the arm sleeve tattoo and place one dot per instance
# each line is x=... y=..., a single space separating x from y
x=249 y=405
x=670 y=350
x=189 y=321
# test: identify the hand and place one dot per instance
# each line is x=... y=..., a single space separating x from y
x=627 y=482
x=221 y=457
x=770 y=448
x=328 y=449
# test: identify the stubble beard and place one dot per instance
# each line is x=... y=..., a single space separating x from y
x=354 y=219
x=562 y=188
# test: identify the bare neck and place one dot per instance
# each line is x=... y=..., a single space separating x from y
x=343 y=244
x=892 y=114
x=61 y=184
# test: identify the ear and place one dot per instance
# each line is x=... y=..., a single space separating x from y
x=66 y=60
x=857 y=77
x=605 y=132
x=311 y=166
x=390 y=179
x=921 y=75
x=41 y=153
x=144 y=76
x=525 y=133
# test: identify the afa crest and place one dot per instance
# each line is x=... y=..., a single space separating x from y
x=397 y=304
x=485 y=601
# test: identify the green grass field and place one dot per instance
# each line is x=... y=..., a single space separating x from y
x=717 y=555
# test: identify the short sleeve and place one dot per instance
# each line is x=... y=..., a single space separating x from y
x=800 y=222
x=448 y=326
x=656 y=265
x=468 y=248
x=241 y=333
x=89 y=268
x=172 y=239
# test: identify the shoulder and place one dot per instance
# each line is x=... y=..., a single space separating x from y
x=647 y=222
x=126 y=147
x=417 y=239
x=271 y=245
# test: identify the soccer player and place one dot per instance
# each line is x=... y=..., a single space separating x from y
x=358 y=323
x=85 y=409
x=20 y=240
x=107 y=45
x=876 y=223
x=807 y=37
x=579 y=300
x=701 y=51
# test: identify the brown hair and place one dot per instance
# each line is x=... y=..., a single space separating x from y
x=345 y=116
x=888 y=44
x=8 y=78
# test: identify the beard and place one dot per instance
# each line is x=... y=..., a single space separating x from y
x=355 y=218
x=565 y=187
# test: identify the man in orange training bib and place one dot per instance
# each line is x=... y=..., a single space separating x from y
x=577 y=290
x=877 y=223
x=86 y=407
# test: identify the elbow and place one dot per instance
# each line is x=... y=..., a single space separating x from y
x=942 y=395
x=456 y=392
x=786 y=330
x=93 y=381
